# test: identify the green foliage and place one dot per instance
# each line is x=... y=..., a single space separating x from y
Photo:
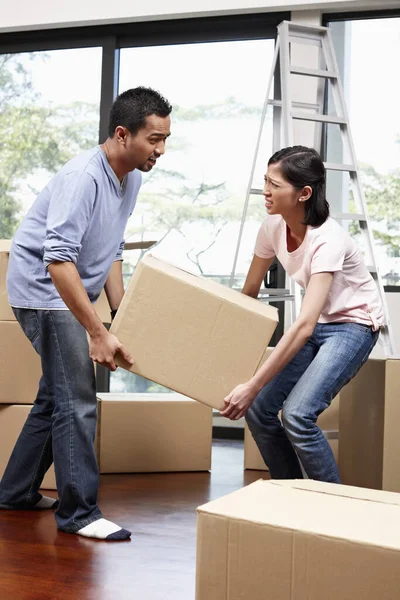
x=382 y=193
x=34 y=136
x=229 y=107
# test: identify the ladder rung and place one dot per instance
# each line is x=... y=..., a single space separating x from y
x=339 y=167
x=305 y=29
x=349 y=216
x=303 y=116
x=313 y=72
x=304 y=105
x=302 y=39
x=274 y=292
x=256 y=192
x=284 y=298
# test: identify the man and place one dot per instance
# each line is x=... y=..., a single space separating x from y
x=65 y=251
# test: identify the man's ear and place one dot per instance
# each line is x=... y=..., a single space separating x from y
x=121 y=133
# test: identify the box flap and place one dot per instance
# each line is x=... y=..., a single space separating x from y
x=330 y=510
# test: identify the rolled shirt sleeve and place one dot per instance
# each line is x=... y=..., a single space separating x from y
x=69 y=213
x=120 y=250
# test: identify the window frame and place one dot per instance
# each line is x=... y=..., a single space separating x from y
x=338 y=17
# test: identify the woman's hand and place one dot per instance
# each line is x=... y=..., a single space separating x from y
x=239 y=401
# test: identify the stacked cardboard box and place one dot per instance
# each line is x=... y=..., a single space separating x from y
x=191 y=334
x=6 y=313
x=142 y=433
x=369 y=447
x=17 y=388
x=303 y=540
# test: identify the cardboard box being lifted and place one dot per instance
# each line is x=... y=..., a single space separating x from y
x=299 y=540
x=192 y=335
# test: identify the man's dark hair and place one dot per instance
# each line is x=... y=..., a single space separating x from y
x=131 y=108
x=303 y=166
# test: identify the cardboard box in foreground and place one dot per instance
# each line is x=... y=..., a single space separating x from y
x=299 y=540
x=191 y=334
x=369 y=448
x=145 y=433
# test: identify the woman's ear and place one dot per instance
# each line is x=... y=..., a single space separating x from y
x=306 y=193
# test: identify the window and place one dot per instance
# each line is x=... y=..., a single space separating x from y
x=367 y=50
x=49 y=112
x=192 y=201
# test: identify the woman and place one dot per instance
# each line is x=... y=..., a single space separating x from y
x=333 y=335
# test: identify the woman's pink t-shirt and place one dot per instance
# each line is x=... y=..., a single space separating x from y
x=353 y=296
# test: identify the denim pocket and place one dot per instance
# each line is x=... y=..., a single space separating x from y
x=362 y=327
x=28 y=320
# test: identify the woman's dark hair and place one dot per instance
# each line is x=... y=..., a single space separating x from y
x=131 y=108
x=303 y=166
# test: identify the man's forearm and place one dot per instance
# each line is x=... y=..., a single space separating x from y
x=70 y=287
x=114 y=286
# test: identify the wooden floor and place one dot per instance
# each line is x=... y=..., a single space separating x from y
x=158 y=563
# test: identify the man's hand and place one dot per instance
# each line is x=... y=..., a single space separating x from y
x=103 y=348
x=239 y=401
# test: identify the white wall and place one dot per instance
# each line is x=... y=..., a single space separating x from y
x=22 y=15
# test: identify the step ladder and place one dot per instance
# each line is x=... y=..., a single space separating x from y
x=286 y=111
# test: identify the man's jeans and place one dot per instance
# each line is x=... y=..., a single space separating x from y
x=61 y=424
x=303 y=389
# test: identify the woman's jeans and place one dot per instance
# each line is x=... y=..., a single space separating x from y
x=303 y=390
x=61 y=425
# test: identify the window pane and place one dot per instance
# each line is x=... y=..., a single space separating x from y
x=192 y=202
x=368 y=51
x=49 y=112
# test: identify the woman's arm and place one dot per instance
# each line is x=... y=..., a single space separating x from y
x=114 y=286
x=255 y=276
x=242 y=396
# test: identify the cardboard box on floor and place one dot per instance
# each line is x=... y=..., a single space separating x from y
x=328 y=421
x=12 y=419
x=20 y=368
x=6 y=313
x=299 y=540
x=369 y=448
x=191 y=334
x=142 y=433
